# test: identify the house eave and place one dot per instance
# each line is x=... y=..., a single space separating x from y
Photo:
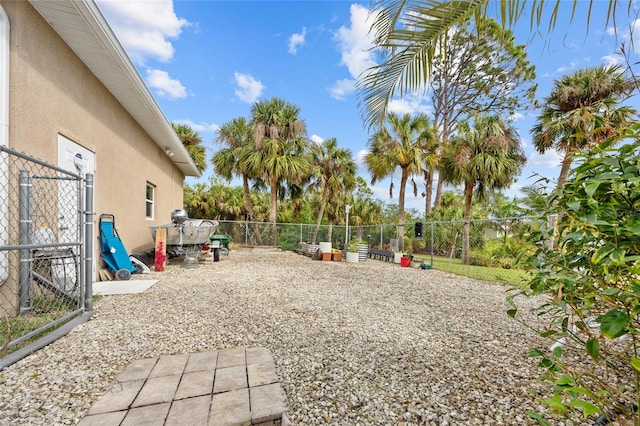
x=84 y=29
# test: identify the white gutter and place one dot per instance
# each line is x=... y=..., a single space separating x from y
x=4 y=141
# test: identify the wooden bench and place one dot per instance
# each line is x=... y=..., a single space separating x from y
x=380 y=254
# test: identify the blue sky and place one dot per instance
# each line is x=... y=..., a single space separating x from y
x=207 y=62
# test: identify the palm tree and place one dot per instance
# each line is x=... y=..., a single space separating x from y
x=193 y=144
x=237 y=134
x=280 y=148
x=402 y=144
x=410 y=32
x=333 y=173
x=581 y=112
x=484 y=156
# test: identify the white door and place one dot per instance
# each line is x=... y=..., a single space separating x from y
x=78 y=160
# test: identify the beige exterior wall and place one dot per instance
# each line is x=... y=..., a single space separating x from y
x=52 y=92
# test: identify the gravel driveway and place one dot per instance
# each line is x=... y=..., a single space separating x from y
x=368 y=343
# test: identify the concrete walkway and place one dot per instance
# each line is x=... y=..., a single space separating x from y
x=235 y=386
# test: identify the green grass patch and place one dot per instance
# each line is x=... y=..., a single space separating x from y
x=515 y=277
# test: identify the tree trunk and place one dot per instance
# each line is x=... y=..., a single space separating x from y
x=323 y=203
x=403 y=185
x=468 y=197
x=438 y=200
x=249 y=206
x=273 y=209
x=330 y=230
x=428 y=178
x=566 y=166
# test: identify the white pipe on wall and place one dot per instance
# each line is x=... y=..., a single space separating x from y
x=4 y=141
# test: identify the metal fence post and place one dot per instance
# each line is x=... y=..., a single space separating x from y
x=88 y=243
x=432 y=241
x=25 y=239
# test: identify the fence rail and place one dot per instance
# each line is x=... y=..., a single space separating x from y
x=43 y=253
x=496 y=246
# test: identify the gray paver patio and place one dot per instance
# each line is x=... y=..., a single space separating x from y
x=236 y=386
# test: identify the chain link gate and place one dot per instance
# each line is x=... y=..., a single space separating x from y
x=44 y=262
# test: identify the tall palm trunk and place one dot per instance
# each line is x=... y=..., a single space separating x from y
x=273 y=209
x=468 y=196
x=323 y=203
x=566 y=166
x=428 y=178
x=403 y=185
x=249 y=206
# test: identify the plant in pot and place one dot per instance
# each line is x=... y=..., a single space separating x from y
x=352 y=252
x=336 y=255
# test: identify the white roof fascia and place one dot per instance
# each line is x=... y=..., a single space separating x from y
x=84 y=29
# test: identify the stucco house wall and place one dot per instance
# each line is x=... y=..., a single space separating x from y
x=51 y=93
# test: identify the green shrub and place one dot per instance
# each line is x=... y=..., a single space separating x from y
x=588 y=267
x=478 y=258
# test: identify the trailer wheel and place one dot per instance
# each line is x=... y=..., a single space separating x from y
x=224 y=251
x=216 y=254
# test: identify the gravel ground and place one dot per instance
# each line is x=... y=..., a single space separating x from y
x=354 y=344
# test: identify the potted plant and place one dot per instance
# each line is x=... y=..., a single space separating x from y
x=336 y=255
x=352 y=252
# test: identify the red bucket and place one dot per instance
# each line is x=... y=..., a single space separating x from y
x=404 y=261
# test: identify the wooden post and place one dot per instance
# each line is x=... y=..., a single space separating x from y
x=161 y=249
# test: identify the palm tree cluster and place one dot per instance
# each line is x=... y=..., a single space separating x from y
x=271 y=150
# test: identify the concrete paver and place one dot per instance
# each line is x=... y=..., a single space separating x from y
x=119 y=397
x=190 y=411
x=231 y=357
x=230 y=378
x=237 y=386
x=268 y=402
x=202 y=361
x=195 y=384
x=157 y=390
x=150 y=415
x=261 y=374
x=230 y=408
x=137 y=370
x=169 y=364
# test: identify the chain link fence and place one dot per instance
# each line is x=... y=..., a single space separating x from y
x=497 y=247
x=42 y=259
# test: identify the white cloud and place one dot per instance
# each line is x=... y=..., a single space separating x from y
x=248 y=88
x=144 y=28
x=551 y=158
x=564 y=68
x=198 y=127
x=296 y=40
x=359 y=159
x=634 y=35
x=516 y=116
x=316 y=139
x=355 y=43
x=342 y=88
x=404 y=106
x=164 y=85
x=614 y=59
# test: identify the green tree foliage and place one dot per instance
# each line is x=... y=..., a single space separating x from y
x=333 y=172
x=400 y=143
x=481 y=71
x=486 y=155
x=588 y=267
x=409 y=34
x=582 y=111
x=280 y=147
x=232 y=159
x=193 y=144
